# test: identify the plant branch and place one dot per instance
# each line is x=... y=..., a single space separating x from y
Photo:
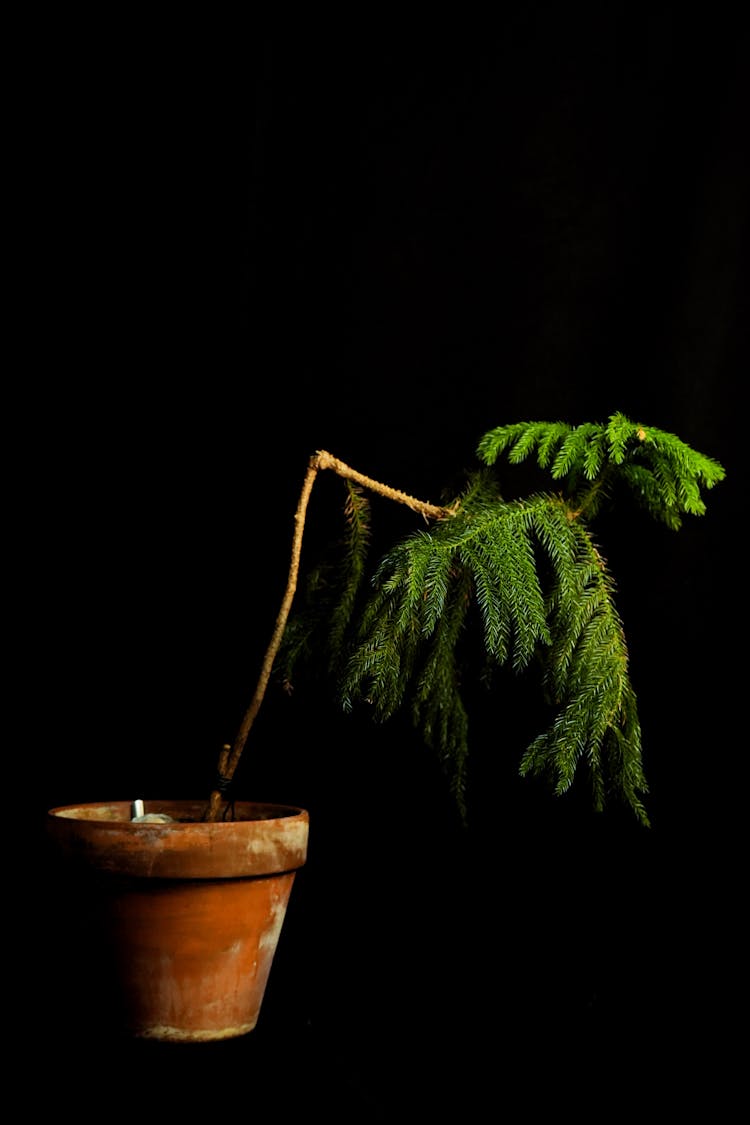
x=431 y=511
x=230 y=756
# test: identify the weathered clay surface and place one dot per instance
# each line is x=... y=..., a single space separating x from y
x=193 y=960
x=261 y=840
x=191 y=911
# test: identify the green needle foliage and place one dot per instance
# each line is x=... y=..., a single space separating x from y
x=531 y=573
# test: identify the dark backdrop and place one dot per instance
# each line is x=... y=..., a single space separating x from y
x=247 y=245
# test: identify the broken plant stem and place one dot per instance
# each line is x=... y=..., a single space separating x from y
x=230 y=756
x=431 y=511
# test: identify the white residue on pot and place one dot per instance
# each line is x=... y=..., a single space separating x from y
x=270 y=936
x=138 y=816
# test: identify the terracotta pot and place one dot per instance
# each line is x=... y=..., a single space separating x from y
x=190 y=912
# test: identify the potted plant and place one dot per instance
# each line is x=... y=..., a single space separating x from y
x=194 y=892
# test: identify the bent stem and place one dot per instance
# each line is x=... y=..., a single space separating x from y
x=230 y=755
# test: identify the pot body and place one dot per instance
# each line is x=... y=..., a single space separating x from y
x=185 y=916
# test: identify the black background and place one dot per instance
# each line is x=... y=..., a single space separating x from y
x=244 y=244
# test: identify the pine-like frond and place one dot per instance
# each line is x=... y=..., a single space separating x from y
x=329 y=596
x=497 y=549
x=621 y=433
x=679 y=470
x=490 y=551
x=521 y=438
x=586 y=673
x=411 y=626
x=665 y=474
x=581 y=453
x=438 y=709
x=530 y=576
x=352 y=568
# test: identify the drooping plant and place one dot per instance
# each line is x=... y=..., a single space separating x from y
x=532 y=571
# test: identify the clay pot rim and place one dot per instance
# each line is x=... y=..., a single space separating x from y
x=186 y=813
x=100 y=836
